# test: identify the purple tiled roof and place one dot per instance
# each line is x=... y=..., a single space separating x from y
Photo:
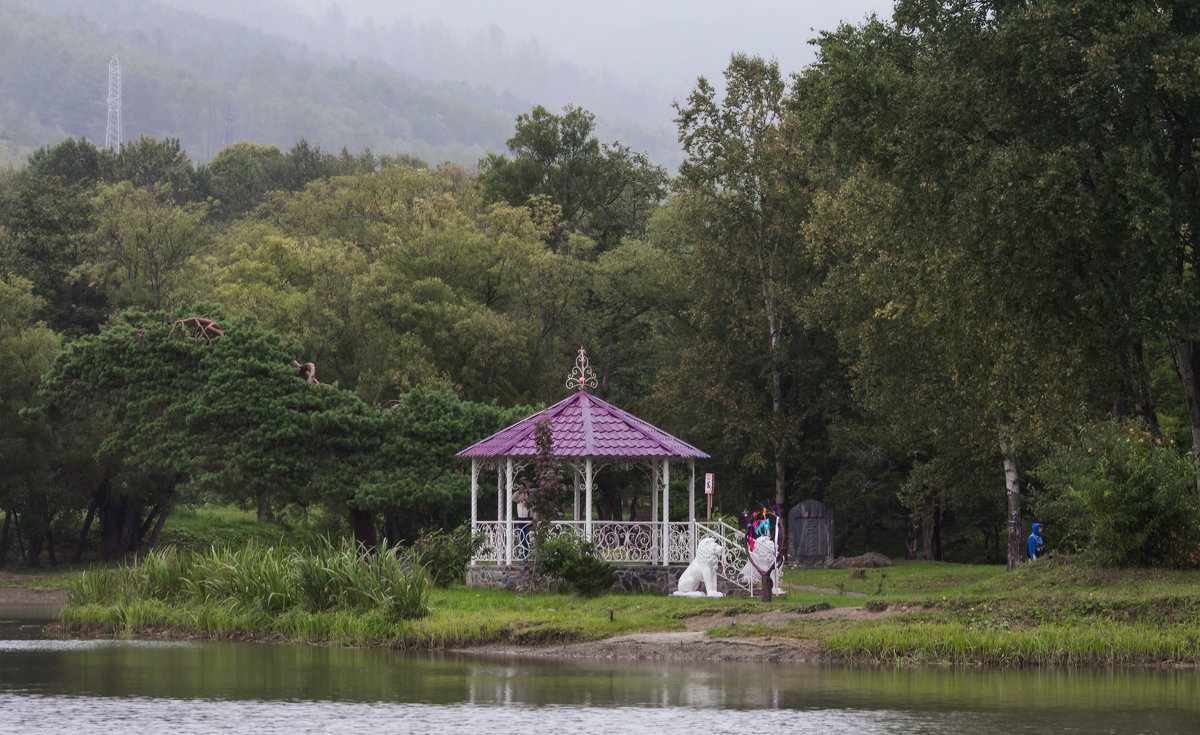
x=585 y=426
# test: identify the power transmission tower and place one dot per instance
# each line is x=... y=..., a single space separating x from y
x=112 y=134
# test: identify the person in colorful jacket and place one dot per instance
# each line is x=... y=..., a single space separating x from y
x=1035 y=542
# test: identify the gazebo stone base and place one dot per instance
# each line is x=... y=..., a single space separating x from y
x=633 y=578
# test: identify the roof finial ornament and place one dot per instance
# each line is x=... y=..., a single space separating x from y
x=581 y=376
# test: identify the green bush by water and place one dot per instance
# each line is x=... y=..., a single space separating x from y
x=448 y=554
x=576 y=563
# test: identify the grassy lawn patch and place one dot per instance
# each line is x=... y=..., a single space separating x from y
x=1060 y=610
x=906 y=581
x=41 y=578
x=201 y=527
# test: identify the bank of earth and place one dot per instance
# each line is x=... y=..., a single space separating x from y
x=1057 y=611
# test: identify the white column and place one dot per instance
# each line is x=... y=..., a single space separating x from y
x=654 y=531
x=692 y=506
x=508 y=495
x=578 y=478
x=666 y=481
x=499 y=492
x=587 y=510
x=474 y=500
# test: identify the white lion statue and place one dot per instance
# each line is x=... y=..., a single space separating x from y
x=702 y=569
x=763 y=557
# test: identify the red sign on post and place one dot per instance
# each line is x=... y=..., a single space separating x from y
x=708 y=483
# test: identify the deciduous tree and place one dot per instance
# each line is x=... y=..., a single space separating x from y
x=605 y=191
x=751 y=371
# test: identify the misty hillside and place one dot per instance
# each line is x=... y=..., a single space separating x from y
x=211 y=83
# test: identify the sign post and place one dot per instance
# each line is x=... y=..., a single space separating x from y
x=708 y=493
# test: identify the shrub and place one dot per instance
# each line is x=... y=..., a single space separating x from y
x=447 y=555
x=1123 y=495
x=576 y=563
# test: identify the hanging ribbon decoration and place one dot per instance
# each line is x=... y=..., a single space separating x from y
x=762 y=523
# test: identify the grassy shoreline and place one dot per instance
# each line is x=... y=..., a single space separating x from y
x=1053 y=613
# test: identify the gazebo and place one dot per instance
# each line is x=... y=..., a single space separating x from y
x=590 y=434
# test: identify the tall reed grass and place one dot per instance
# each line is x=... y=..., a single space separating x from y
x=266 y=580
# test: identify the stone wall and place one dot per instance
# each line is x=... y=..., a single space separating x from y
x=632 y=578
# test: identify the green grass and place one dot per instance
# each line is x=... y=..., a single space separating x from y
x=906 y=581
x=255 y=584
x=458 y=617
x=205 y=526
x=41 y=578
x=1058 y=611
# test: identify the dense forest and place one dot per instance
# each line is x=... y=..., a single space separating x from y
x=942 y=279
x=219 y=83
x=225 y=84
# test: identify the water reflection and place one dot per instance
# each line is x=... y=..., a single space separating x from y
x=86 y=686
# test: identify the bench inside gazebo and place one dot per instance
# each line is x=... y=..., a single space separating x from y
x=590 y=434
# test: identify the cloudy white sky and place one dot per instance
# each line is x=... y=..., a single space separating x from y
x=666 y=43
x=663 y=44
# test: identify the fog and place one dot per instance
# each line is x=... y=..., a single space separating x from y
x=623 y=59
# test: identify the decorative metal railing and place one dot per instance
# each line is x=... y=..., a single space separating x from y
x=625 y=542
x=733 y=554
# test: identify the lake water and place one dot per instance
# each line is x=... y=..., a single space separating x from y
x=107 y=686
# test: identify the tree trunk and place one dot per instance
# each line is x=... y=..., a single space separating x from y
x=111 y=512
x=910 y=538
x=1012 y=484
x=118 y=526
x=766 y=586
x=774 y=333
x=611 y=502
x=130 y=521
x=4 y=537
x=50 y=547
x=931 y=527
x=1136 y=375
x=265 y=514
x=363 y=524
x=20 y=539
x=34 y=557
x=77 y=557
x=937 y=531
x=1186 y=353
x=144 y=526
x=168 y=506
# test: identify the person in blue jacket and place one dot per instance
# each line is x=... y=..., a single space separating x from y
x=1035 y=542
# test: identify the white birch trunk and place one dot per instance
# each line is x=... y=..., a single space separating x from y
x=1012 y=485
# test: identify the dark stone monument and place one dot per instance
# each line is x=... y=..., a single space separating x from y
x=810 y=532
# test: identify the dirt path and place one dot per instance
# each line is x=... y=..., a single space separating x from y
x=10 y=595
x=695 y=644
x=822 y=590
x=14 y=595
